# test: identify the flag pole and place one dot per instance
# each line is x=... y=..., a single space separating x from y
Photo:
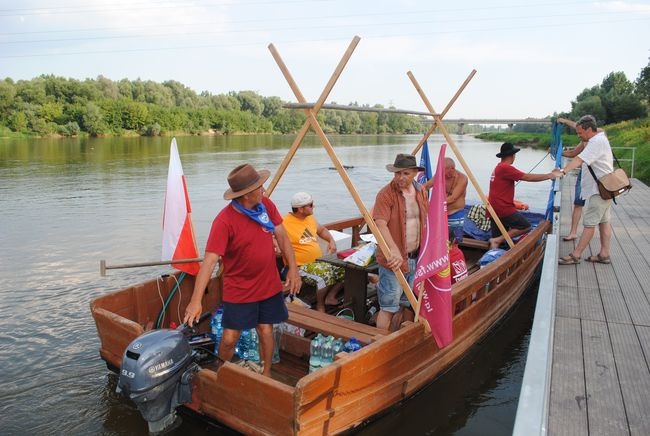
x=103 y=267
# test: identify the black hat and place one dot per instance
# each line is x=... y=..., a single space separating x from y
x=403 y=162
x=507 y=149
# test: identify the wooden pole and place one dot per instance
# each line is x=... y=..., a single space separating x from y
x=321 y=100
x=311 y=120
x=442 y=115
x=468 y=171
x=103 y=267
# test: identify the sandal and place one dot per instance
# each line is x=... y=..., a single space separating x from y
x=599 y=259
x=569 y=259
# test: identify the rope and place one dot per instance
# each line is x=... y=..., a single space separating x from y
x=161 y=314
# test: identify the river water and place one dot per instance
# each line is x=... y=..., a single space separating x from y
x=67 y=203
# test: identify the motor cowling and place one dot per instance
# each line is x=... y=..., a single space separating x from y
x=156 y=374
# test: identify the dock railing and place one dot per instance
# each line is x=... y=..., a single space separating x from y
x=532 y=410
x=627 y=159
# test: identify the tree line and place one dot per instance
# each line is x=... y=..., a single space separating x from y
x=51 y=105
x=48 y=105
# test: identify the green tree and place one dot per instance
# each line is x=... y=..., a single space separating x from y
x=93 y=121
x=272 y=106
x=18 y=121
x=7 y=95
x=52 y=112
x=642 y=86
x=250 y=101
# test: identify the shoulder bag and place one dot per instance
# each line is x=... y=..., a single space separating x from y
x=613 y=184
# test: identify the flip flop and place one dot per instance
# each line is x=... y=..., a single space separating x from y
x=599 y=259
x=569 y=259
x=569 y=238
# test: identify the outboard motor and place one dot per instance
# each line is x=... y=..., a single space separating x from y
x=156 y=374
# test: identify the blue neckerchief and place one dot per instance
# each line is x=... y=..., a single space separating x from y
x=257 y=214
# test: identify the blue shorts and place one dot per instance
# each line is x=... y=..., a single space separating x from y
x=244 y=316
x=578 y=200
x=514 y=221
x=389 y=292
x=455 y=221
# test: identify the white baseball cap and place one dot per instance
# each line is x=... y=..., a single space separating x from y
x=301 y=199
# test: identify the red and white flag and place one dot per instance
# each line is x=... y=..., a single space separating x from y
x=433 y=274
x=178 y=233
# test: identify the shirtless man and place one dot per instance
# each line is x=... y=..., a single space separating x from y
x=400 y=212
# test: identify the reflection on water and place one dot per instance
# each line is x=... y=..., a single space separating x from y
x=66 y=204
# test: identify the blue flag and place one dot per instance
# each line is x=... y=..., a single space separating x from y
x=556 y=153
x=425 y=163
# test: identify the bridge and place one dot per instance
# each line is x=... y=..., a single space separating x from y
x=460 y=122
x=510 y=122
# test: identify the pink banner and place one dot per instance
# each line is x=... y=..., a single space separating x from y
x=433 y=274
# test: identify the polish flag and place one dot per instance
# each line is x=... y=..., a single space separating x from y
x=178 y=233
x=433 y=273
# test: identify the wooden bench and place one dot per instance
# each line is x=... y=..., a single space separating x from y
x=316 y=321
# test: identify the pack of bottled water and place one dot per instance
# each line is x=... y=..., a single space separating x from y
x=322 y=350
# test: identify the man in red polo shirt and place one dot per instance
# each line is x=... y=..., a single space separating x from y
x=242 y=238
x=502 y=195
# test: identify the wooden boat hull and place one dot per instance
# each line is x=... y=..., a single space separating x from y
x=354 y=387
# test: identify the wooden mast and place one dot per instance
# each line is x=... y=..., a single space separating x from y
x=444 y=112
x=438 y=122
x=313 y=123
x=323 y=96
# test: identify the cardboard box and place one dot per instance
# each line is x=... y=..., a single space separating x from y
x=343 y=241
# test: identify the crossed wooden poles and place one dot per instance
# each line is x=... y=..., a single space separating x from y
x=312 y=122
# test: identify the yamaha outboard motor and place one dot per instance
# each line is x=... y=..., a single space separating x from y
x=156 y=374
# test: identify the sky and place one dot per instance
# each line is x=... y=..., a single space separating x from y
x=532 y=57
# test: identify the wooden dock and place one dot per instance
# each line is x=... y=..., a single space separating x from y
x=600 y=377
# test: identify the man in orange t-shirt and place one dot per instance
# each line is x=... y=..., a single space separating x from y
x=303 y=231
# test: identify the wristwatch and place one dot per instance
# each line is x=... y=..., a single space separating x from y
x=562 y=171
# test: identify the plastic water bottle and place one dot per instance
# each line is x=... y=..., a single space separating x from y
x=217 y=329
x=327 y=353
x=243 y=344
x=277 y=336
x=338 y=346
x=315 y=353
x=352 y=345
x=254 y=348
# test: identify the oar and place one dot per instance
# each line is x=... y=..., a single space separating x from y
x=103 y=267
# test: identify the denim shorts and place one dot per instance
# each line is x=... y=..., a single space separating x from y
x=389 y=292
x=244 y=316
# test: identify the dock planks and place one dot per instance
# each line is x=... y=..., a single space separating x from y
x=600 y=382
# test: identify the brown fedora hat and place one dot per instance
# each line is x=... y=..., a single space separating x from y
x=244 y=179
x=403 y=162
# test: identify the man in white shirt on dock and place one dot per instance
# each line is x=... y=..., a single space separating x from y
x=597 y=154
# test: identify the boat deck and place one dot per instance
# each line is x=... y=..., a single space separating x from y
x=600 y=382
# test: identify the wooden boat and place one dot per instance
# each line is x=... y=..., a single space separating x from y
x=356 y=386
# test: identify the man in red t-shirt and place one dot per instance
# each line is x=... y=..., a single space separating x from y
x=242 y=238
x=502 y=195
